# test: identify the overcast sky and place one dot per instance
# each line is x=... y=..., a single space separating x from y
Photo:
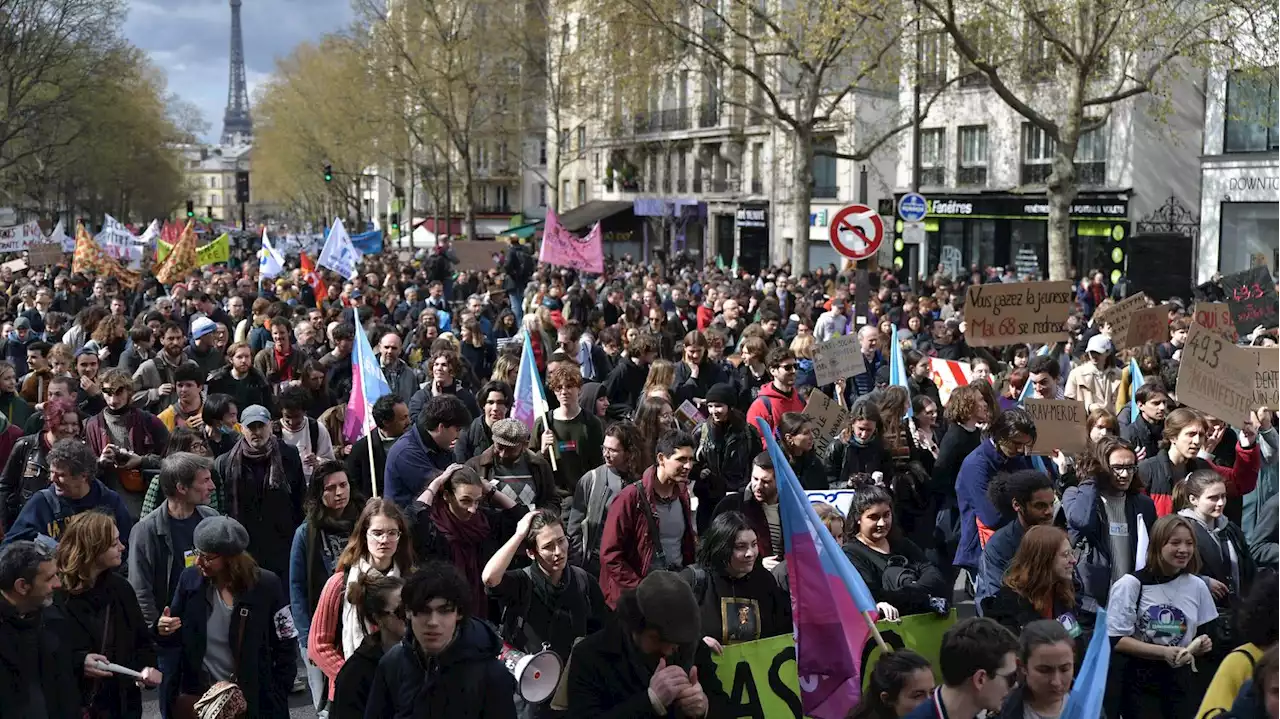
x=191 y=41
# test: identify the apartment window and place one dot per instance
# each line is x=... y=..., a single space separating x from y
x=825 y=183
x=564 y=196
x=595 y=164
x=979 y=34
x=933 y=166
x=582 y=32
x=582 y=192
x=564 y=142
x=1091 y=157
x=1037 y=155
x=973 y=156
x=1037 y=50
x=542 y=194
x=757 y=174
x=542 y=151
x=1251 y=111
x=564 y=35
x=582 y=139
x=933 y=58
x=503 y=198
x=215 y=199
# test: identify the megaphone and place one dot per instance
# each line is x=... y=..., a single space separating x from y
x=536 y=674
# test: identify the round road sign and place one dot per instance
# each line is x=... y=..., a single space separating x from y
x=856 y=232
x=912 y=207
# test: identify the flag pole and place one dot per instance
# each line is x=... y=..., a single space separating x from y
x=875 y=632
x=551 y=448
x=373 y=468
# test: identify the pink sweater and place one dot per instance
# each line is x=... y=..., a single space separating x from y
x=323 y=646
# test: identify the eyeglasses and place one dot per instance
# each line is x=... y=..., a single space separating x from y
x=384 y=533
x=207 y=556
x=1124 y=468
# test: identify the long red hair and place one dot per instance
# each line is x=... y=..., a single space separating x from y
x=1030 y=574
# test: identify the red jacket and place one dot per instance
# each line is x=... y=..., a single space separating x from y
x=706 y=316
x=626 y=549
x=779 y=404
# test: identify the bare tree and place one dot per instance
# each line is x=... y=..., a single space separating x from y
x=1064 y=65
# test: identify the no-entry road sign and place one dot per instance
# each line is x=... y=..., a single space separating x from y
x=856 y=232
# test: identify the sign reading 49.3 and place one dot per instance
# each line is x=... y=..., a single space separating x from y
x=1205 y=348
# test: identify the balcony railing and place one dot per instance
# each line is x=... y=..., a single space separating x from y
x=971 y=176
x=725 y=185
x=492 y=209
x=826 y=192
x=708 y=115
x=1091 y=173
x=933 y=176
x=1034 y=174
x=661 y=120
x=682 y=184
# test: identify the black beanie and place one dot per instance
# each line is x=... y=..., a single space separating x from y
x=722 y=393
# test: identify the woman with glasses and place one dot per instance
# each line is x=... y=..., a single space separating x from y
x=331 y=516
x=548 y=603
x=1103 y=513
x=379 y=545
x=926 y=424
x=1046 y=667
x=1040 y=584
x=379 y=608
x=97 y=617
x=27 y=470
x=1160 y=619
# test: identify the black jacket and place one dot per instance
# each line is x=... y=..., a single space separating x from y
x=267 y=658
x=465 y=682
x=33 y=658
x=771 y=603
x=532 y=614
x=271 y=516
x=252 y=389
x=25 y=473
x=472 y=441
x=1015 y=612
x=911 y=599
x=420 y=398
x=686 y=386
x=850 y=458
x=355 y=680
x=79 y=619
x=358 y=465
x=1214 y=563
x=625 y=384
x=608 y=677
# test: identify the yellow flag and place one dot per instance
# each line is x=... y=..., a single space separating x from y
x=217 y=251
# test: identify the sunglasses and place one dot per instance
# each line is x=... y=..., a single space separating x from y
x=788 y=367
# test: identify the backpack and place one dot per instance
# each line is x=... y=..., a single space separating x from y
x=898 y=574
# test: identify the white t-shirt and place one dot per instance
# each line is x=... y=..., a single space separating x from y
x=301 y=441
x=1166 y=615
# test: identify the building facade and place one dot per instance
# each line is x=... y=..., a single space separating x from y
x=210 y=174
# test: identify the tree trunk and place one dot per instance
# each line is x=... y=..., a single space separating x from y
x=1062 y=187
x=802 y=179
x=468 y=190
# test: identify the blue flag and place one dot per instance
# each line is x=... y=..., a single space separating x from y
x=367 y=385
x=1085 y=700
x=530 y=401
x=897 y=372
x=1135 y=381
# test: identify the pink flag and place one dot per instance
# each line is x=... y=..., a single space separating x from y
x=560 y=247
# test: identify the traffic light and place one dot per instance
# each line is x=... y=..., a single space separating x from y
x=328 y=173
x=395 y=221
x=242 y=187
x=191 y=208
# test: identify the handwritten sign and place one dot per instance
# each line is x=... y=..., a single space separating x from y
x=18 y=237
x=45 y=254
x=688 y=416
x=1119 y=316
x=1252 y=297
x=1216 y=317
x=1150 y=324
x=1216 y=377
x=841 y=499
x=1017 y=312
x=1059 y=425
x=828 y=419
x=1266 y=378
x=838 y=358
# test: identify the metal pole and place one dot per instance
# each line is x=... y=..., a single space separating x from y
x=359 y=208
x=243 y=219
x=915 y=111
x=448 y=193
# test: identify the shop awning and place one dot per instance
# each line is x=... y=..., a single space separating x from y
x=524 y=231
x=584 y=216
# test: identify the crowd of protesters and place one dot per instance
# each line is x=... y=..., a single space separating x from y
x=180 y=496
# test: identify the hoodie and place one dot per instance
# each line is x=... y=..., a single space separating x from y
x=47 y=513
x=772 y=403
x=465 y=681
x=976 y=472
x=413 y=461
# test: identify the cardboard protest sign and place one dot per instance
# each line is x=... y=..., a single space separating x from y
x=1118 y=316
x=828 y=419
x=761 y=676
x=1216 y=377
x=841 y=499
x=689 y=416
x=1216 y=317
x=838 y=358
x=1017 y=312
x=1150 y=324
x=1266 y=378
x=477 y=254
x=45 y=254
x=1059 y=425
x=1252 y=297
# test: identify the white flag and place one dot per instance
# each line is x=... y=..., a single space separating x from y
x=152 y=232
x=1140 y=553
x=339 y=254
x=270 y=263
x=60 y=236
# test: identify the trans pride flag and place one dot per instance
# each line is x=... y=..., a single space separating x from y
x=530 y=400
x=828 y=600
x=1085 y=700
x=897 y=371
x=367 y=385
x=1135 y=381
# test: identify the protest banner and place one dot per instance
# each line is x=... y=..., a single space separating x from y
x=949 y=375
x=1266 y=378
x=1216 y=377
x=1252 y=297
x=1215 y=317
x=217 y=251
x=44 y=254
x=841 y=499
x=561 y=248
x=1017 y=312
x=16 y=238
x=838 y=358
x=1150 y=324
x=478 y=255
x=761 y=680
x=1118 y=316
x=828 y=419
x=1059 y=425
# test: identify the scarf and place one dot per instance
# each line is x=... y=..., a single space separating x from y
x=354 y=630
x=464 y=548
x=317 y=573
x=242 y=453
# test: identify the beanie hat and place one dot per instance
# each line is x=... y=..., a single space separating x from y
x=722 y=393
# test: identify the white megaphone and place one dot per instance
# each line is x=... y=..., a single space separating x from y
x=536 y=674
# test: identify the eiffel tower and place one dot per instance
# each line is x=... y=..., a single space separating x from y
x=237 y=125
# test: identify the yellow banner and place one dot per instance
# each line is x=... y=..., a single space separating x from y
x=217 y=251
x=760 y=677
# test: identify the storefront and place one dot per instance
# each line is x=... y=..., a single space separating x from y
x=821 y=253
x=1003 y=230
x=1239 y=217
x=751 y=224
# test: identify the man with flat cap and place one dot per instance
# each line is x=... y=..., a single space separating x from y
x=651 y=662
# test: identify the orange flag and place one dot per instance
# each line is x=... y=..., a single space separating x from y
x=313 y=278
x=181 y=259
x=89 y=257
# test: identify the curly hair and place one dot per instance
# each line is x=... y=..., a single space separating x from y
x=963 y=404
x=1030 y=573
x=109 y=329
x=86 y=537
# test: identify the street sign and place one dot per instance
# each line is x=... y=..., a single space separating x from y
x=856 y=232
x=912 y=207
x=913 y=233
